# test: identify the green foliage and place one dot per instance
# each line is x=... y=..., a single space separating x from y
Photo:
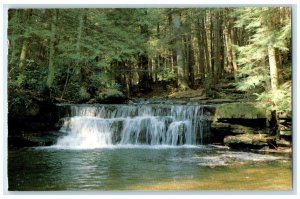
x=83 y=94
x=18 y=101
x=167 y=74
x=280 y=100
x=252 y=76
x=266 y=27
x=97 y=49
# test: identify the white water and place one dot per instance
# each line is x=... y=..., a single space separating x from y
x=157 y=125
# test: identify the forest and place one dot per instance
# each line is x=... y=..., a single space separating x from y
x=111 y=99
x=84 y=55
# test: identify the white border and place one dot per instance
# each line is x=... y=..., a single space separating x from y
x=145 y=3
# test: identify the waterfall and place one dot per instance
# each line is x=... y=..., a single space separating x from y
x=96 y=126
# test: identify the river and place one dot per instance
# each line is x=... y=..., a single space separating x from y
x=146 y=168
x=142 y=147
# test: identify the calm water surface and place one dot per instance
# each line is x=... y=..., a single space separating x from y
x=146 y=168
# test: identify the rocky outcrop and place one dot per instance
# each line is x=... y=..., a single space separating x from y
x=252 y=141
x=34 y=121
x=249 y=125
x=285 y=129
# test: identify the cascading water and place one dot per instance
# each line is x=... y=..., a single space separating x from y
x=96 y=126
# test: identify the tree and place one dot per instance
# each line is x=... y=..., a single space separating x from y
x=52 y=69
x=78 y=53
x=270 y=30
x=182 y=82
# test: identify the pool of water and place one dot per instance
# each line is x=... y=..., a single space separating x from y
x=146 y=168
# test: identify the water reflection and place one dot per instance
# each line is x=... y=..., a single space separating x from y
x=145 y=168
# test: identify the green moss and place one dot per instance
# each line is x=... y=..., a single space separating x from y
x=110 y=94
x=240 y=111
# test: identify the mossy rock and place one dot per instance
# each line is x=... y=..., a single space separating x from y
x=240 y=111
x=32 y=110
x=111 y=96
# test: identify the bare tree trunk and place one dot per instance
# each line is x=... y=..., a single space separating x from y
x=182 y=83
x=24 y=51
x=228 y=36
x=273 y=68
x=232 y=38
x=79 y=35
x=217 y=47
x=191 y=61
x=51 y=67
x=212 y=58
x=13 y=41
x=205 y=47
x=201 y=48
x=144 y=77
x=23 y=56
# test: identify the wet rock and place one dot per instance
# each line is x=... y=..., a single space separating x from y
x=43 y=117
x=285 y=133
x=284 y=150
x=285 y=128
x=40 y=117
x=283 y=143
x=33 y=139
x=117 y=129
x=249 y=141
x=235 y=129
x=218 y=101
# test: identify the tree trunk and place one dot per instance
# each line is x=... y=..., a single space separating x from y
x=181 y=81
x=205 y=47
x=79 y=35
x=212 y=58
x=191 y=62
x=232 y=38
x=23 y=56
x=25 y=45
x=201 y=47
x=221 y=44
x=12 y=41
x=78 y=66
x=273 y=68
x=144 y=78
x=51 y=67
x=217 y=47
x=229 y=38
